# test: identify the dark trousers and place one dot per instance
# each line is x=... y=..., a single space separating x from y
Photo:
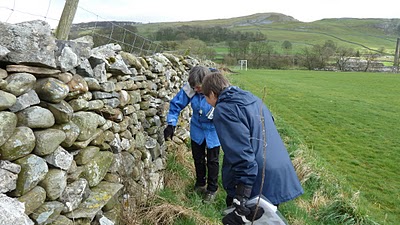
x=206 y=160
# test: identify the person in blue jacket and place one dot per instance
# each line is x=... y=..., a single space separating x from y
x=247 y=131
x=204 y=140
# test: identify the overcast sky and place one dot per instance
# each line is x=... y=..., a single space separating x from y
x=14 y=11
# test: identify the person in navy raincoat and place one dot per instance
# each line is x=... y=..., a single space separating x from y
x=204 y=140
x=246 y=130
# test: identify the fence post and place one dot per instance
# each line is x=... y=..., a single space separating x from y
x=397 y=55
x=67 y=17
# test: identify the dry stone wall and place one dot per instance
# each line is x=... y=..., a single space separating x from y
x=80 y=126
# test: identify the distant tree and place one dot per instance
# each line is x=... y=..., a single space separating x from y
x=329 y=44
x=260 y=54
x=198 y=48
x=310 y=58
x=238 y=49
x=370 y=57
x=287 y=46
x=206 y=34
x=343 y=55
x=170 y=45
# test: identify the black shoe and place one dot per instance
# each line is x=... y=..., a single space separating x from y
x=209 y=197
x=201 y=190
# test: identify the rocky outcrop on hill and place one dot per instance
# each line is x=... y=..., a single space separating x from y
x=77 y=123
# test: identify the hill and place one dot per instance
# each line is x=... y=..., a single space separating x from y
x=363 y=34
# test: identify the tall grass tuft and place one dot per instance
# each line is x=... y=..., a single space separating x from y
x=344 y=211
x=176 y=203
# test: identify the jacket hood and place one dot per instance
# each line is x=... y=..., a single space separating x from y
x=236 y=95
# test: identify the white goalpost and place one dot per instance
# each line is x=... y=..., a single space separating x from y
x=242 y=64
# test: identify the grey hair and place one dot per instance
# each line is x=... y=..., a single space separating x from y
x=197 y=74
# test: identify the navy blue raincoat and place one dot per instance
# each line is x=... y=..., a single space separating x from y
x=201 y=126
x=238 y=117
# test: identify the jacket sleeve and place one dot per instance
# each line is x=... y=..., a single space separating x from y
x=234 y=135
x=179 y=102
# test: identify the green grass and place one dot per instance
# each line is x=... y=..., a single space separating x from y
x=349 y=120
x=340 y=130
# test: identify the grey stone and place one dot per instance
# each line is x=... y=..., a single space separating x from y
x=93 y=84
x=118 y=66
x=3 y=51
x=87 y=154
x=25 y=100
x=33 y=199
x=67 y=59
x=87 y=123
x=51 y=90
x=20 y=83
x=62 y=111
x=123 y=164
x=79 y=104
x=34 y=37
x=60 y=158
x=20 y=144
x=77 y=86
x=108 y=86
x=33 y=170
x=97 y=168
x=71 y=131
x=35 y=117
x=12 y=212
x=48 y=140
x=3 y=73
x=6 y=100
x=38 y=72
x=54 y=183
x=47 y=212
x=95 y=105
x=62 y=220
x=8 y=176
x=8 y=123
x=98 y=197
x=74 y=194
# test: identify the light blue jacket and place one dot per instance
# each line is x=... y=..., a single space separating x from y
x=201 y=125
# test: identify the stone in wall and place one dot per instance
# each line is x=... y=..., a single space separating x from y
x=33 y=199
x=99 y=196
x=18 y=39
x=8 y=123
x=9 y=175
x=13 y=212
x=20 y=144
x=33 y=170
x=35 y=117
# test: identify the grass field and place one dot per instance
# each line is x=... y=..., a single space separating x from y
x=349 y=120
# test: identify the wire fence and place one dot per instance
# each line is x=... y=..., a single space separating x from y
x=102 y=30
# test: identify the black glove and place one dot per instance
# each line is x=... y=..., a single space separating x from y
x=238 y=216
x=234 y=218
x=169 y=132
x=253 y=214
x=242 y=194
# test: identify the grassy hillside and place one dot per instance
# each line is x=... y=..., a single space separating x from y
x=349 y=121
x=360 y=34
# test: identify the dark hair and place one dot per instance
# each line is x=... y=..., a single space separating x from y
x=197 y=74
x=214 y=82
